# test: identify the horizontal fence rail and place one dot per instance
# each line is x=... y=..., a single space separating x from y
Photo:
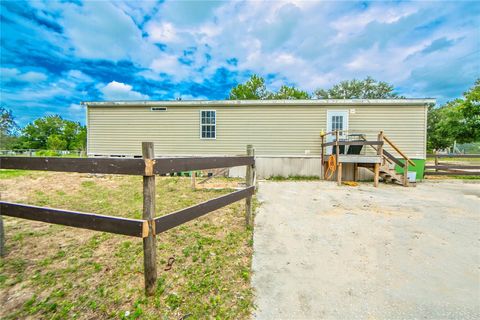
x=439 y=156
x=179 y=217
x=148 y=167
x=452 y=173
x=453 y=168
x=122 y=165
x=81 y=165
x=170 y=165
x=91 y=221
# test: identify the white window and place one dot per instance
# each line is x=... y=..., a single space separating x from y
x=208 y=124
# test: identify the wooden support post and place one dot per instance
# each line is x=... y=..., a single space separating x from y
x=337 y=159
x=149 y=242
x=339 y=174
x=249 y=176
x=405 y=174
x=2 y=238
x=322 y=162
x=193 y=177
x=355 y=171
x=377 y=174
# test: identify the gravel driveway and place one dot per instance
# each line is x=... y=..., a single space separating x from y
x=328 y=252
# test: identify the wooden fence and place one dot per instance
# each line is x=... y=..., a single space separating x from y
x=452 y=169
x=149 y=226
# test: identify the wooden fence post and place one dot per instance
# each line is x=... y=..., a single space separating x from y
x=249 y=176
x=193 y=178
x=149 y=242
x=2 y=238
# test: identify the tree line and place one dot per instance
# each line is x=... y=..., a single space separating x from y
x=455 y=121
x=50 y=132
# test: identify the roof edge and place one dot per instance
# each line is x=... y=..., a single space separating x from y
x=209 y=103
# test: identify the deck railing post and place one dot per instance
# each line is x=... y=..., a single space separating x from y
x=380 y=147
x=377 y=165
x=149 y=242
x=249 y=177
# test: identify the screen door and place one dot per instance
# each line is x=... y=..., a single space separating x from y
x=336 y=120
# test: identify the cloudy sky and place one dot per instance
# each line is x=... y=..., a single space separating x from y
x=56 y=54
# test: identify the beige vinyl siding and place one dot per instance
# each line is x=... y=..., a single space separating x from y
x=273 y=130
x=404 y=126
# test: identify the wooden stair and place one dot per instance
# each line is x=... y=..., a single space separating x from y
x=390 y=175
x=383 y=166
x=387 y=173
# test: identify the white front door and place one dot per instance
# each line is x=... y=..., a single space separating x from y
x=336 y=120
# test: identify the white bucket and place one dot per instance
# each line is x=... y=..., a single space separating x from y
x=412 y=176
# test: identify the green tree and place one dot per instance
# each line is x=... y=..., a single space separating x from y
x=36 y=134
x=8 y=129
x=253 y=89
x=289 y=93
x=358 y=89
x=56 y=142
x=457 y=120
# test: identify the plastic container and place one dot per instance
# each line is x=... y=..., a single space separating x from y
x=412 y=176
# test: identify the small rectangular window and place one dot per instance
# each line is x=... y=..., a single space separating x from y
x=208 y=124
x=158 y=109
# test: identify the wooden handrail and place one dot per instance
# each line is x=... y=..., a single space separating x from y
x=353 y=143
x=398 y=150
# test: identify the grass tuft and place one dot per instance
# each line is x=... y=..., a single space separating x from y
x=72 y=273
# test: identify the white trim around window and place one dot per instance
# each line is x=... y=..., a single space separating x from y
x=208 y=124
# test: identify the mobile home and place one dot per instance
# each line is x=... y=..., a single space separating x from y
x=286 y=134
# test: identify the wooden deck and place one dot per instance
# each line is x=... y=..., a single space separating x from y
x=356 y=158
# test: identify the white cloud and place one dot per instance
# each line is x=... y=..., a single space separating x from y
x=121 y=91
x=101 y=30
x=13 y=74
x=163 y=32
x=32 y=76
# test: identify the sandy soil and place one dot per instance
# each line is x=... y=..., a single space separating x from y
x=328 y=252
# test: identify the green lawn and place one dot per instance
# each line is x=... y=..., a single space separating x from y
x=56 y=272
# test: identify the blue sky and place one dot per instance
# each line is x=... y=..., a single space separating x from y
x=56 y=54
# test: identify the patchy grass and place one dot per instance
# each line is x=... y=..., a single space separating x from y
x=56 y=272
x=8 y=174
x=294 y=178
x=460 y=177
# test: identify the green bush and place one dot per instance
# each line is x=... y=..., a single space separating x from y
x=47 y=153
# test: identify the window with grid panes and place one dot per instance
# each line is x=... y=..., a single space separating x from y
x=208 y=121
x=337 y=123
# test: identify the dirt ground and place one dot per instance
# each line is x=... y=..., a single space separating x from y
x=328 y=252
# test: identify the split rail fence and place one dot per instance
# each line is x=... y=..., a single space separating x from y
x=149 y=226
x=451 y=168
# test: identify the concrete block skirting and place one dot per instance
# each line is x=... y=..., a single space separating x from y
x=288 y=166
